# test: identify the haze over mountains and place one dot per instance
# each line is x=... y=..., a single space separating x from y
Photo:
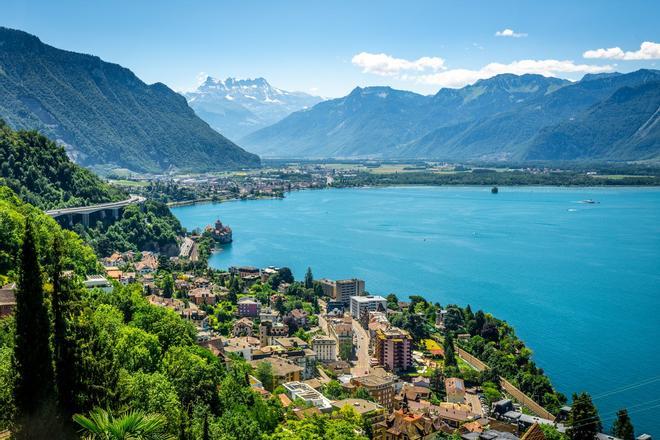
x=103 y=113
x=506 y=117
x=237 y=107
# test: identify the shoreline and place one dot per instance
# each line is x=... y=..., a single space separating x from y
x=208 y=200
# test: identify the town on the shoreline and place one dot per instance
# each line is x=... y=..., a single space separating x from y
x=276 y=178
x=409 y=369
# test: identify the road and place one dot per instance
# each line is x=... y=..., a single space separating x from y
x=361 y=339
x=93 y=208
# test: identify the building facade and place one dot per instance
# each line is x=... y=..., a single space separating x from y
x=325 y=348
x=347 y=288
x=362 y=304
x=393 y=349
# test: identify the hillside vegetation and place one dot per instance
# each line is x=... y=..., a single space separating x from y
x=40 y=172
x=103 y=113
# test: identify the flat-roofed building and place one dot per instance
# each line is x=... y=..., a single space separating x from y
x=329 y=287
x=347 y=288
x=393 y=349
x=325 y=348
x=97 y=282
x=301 y=390
x=369 y=411
x=370 y=303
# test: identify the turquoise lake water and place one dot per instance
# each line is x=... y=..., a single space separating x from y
x=579 y=282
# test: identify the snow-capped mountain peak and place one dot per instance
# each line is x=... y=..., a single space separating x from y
x=237 y=107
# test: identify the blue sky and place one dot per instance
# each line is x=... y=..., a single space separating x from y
x=329 y=47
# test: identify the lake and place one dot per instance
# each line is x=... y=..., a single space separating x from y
x=579 y=282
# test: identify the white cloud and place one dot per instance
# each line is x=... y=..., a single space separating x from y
x=386 y=65
x=455 y=78
x=647 y=51
x=510 y=33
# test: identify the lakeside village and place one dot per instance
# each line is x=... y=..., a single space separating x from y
x=277 y=179
x=411 y=370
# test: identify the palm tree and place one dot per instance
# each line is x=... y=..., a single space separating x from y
x=134 y=425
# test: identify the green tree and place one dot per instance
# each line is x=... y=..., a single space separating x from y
x=392 y=302
x=264 y=373
x=551 y=433
x=334 y=390
x=33 y=359
x=168 y=285
x=286 y=276
x=583 y=420
x=622 y=427
x=309 y=279
x=151 y=393
x=362 y=393
x=137 y=425
x=450 y=357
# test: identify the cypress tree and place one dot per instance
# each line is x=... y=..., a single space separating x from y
x=33 y=360
x=64 y=352
x=623 y=427
x=583 y=420
x=450 y=358
x=205 y=427
x=309 y=279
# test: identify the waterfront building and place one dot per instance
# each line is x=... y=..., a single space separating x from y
x=329 y=287
x=325 y=348
x=362 y=304
x=393 y=349
x=345 y=289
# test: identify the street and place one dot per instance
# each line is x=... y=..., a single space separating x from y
x=361 y=339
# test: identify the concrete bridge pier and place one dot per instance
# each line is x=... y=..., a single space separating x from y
x=85 y=220
x=102 y=214
x=70 y=218
x=115 y=213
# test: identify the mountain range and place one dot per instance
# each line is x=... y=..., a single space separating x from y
x=238 y=107
x=103 y=114
x=507 y=117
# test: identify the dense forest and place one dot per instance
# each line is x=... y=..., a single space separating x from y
x=40 y=172
x=149 y=226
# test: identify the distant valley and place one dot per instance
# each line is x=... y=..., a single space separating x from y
x=238 y=107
